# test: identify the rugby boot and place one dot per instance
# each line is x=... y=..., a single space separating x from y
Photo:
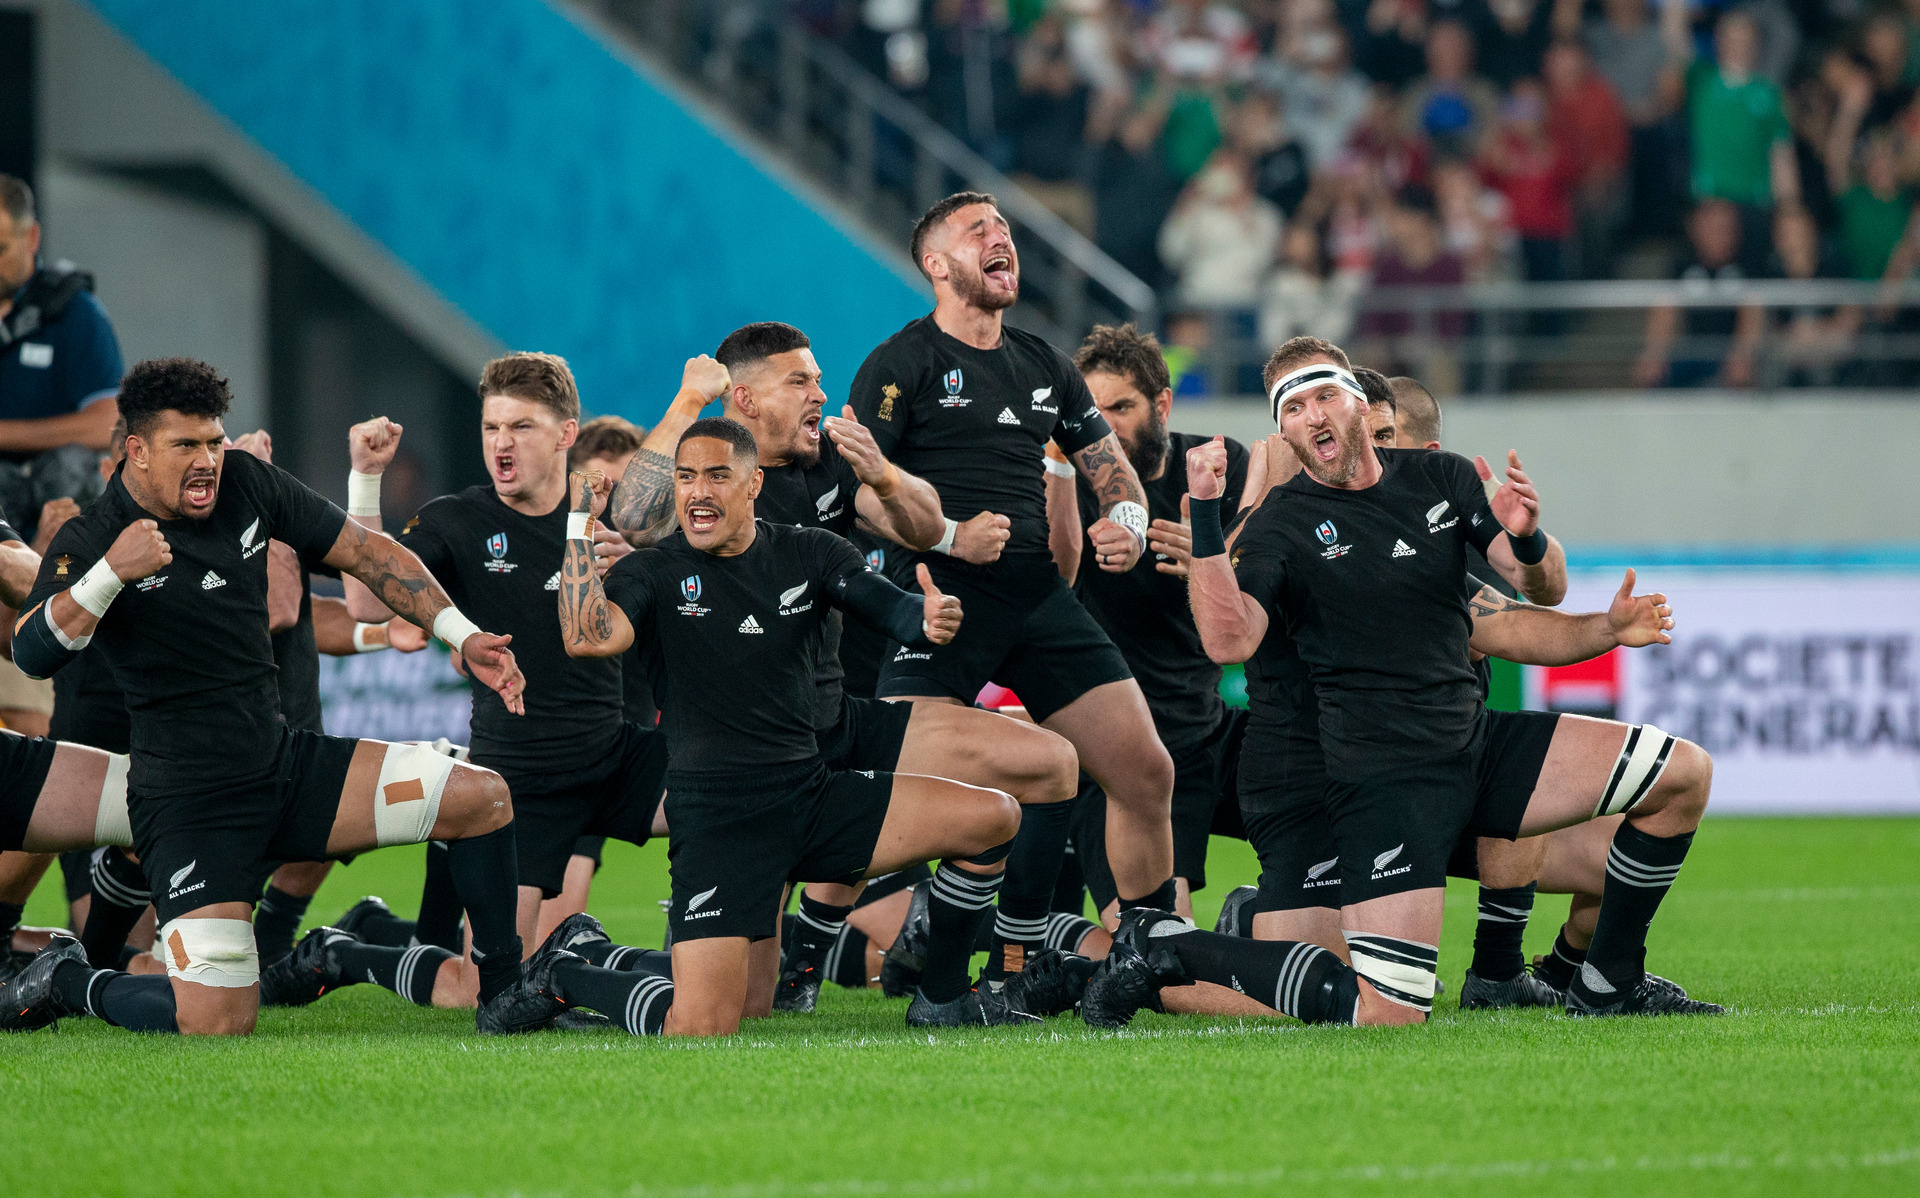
x=579 y=1019
x=1236 y=913
x=1133 y=973
x=1051 y=984
x=575 y=930
x=798 y=989
x=27 y=999
x=981 y=1006
x=310 y=970
x=1521 y=990
x=1555 y=971
x=533 y=1002
x=361 y=912
x=900 y=969
x=1653 y=996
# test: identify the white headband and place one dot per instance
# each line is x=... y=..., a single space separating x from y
x=1310 y=376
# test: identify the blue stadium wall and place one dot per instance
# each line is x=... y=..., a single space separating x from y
x=560 y=198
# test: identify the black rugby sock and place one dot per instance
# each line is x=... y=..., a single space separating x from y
x=141 y=1003
x=119 y=899
x=1288 y=975
x=1503 y=924
x=394 y=932
x=1557 y=968
x=276 y=920
x=887 y=885
x=440 y=906
x=816 y=926
x=1640 y=871
x=408 y=972
x=625 y=958
x=1065 y=932
x=1026 y=893
x=637 y=1002
x=1163 y=898
x=956 y=908
x=846 y=962
x=1070 y=888
x=483 y=870
x=10 y=914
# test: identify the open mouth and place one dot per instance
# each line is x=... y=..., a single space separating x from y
x=199 y=491
x=810 y=427
x=504 y=469
x=998 y=269
x=1325 y=446
x=702 y=517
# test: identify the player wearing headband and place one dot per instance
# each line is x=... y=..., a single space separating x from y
x=168 y=572
x=969 y=403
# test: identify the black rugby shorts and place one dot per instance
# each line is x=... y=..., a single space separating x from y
x=616 y=796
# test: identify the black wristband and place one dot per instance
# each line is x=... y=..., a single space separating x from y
x=1528 y=550
x=1208 y=541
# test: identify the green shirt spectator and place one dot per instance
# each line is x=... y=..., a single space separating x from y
x=1735 y=126
x=1871 y=227
x=1192 y=133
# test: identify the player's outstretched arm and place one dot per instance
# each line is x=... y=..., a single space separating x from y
x=1119 y=536
x=52 y=631
x=1544 y=579
x=337 y=634
x=1231 y=622
x=401 y=582
x=1540 y=636
x=642 y=505
x=899 y=506
x=929 y=618
x=590 y=625
x=371 y=446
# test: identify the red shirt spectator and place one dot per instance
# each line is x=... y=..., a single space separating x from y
x=1584 y=114
x=1534 y=171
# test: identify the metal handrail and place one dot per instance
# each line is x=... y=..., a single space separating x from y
x=1639 y=293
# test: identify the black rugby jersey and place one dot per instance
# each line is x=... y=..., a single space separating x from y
x=502 y=568
x=1368 y=586
x=816 y=496
x=189 y=645
x=737 y=639
x=975 y=424
x=297 y=655
x=1147 y=614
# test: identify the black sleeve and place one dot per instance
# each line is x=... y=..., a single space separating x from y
x=629 y=587
x=883 y=395
x=1259 y=561
x=1236 y=481
x=36 y=650
x=301 y=516
x=1080 y=423
x=850 y=585
x=424 y=535
x=1470 y=500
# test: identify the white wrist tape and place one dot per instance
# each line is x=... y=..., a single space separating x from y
x=453 y=628
x=579 y=526
x=363 y=638
x=363 y=494
x=97 y=588
x=1059 y=469
x=945 y=544
x=1132 y=517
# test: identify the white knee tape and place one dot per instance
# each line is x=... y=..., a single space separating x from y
x=211 y=952
x=1402 y=971
x=111 y=824
x=1643 y=758
x=406 y=800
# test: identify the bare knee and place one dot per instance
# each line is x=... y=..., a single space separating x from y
x=477 y=802
x=1682 y=791
x=222 y=1020
x=706 y=1019
x=1001 y=820
x=1147 y=786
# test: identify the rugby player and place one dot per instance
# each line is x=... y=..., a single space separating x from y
x=1411 y=755
x=168 y=569
x=575 y=765
x=968 y=403
x=826 y=472
x=738 y=609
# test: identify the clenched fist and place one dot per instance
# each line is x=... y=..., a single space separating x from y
x=371 y=445
x=139 y=551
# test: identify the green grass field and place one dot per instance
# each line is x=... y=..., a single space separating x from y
x=1809 y=931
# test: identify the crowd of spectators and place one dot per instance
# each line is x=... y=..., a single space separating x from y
x=1279 y=156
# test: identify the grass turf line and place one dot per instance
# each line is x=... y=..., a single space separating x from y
x=1807 y=929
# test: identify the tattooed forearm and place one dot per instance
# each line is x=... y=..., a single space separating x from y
x=395 y=576
x=1110 y=474
x=642 y=506
x=1489 y=602
x=585 y=616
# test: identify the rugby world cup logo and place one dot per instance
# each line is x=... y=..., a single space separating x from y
x=690 y=587
x=953 y=381
x=1326 y=532
x=876 y=559
x=497 y=545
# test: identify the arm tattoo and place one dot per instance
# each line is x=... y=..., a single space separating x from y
x=394 y=575
x=1110 y=474
x=1489 y=602
x=643 y=502
x=585 y=617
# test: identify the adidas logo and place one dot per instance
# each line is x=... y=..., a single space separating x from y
x=211 y=581
x=553 y=584
x=750 y=625
x=1402 y=549
x=1007 y=416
